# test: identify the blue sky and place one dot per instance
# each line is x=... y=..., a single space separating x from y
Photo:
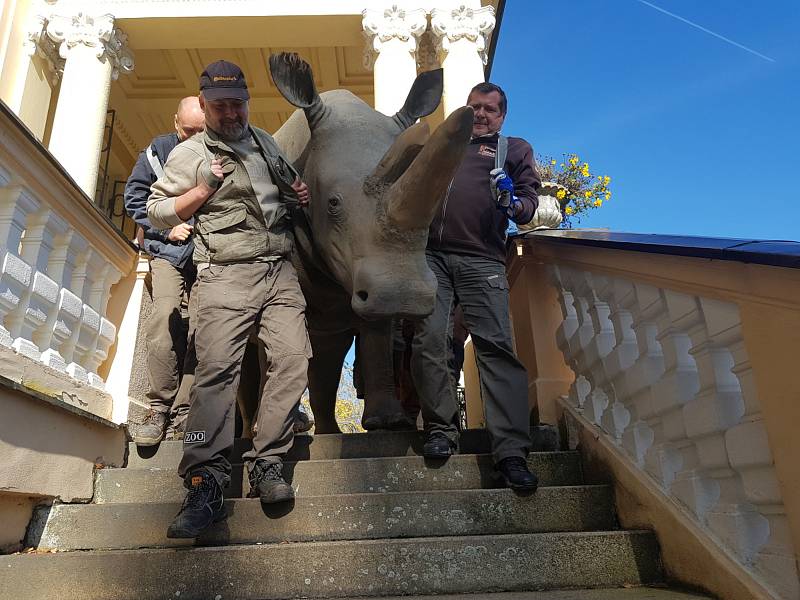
x=699 y=136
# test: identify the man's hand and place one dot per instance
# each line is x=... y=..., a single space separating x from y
x=502 y=187
x=180 y=233
x=515 y=209
x=211 y=176
x=301 y=190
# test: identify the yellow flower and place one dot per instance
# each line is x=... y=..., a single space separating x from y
x=587 y=194
x=573 y=160
x=598 y=203
x=553 y=163
x=608 y=195
x=561 y=194
x=585 y=171
x=606 y=180
x=570 y=210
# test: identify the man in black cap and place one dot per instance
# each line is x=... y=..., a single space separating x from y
x=240 y=190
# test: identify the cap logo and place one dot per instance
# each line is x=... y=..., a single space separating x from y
x=196 y=480
x=223 y=78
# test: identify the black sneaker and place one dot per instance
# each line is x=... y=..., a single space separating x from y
x=514 y=471
x=151 y=431
x=203 y=505
x=438 y=445
x=267 y=483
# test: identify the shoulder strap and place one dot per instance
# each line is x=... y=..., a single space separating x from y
x=502 y=152
x=155 y=164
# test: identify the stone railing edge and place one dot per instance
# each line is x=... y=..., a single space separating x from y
x=777 y=253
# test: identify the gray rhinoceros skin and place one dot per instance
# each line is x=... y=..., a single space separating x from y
x=360 y=245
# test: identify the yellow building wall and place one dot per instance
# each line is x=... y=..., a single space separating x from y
x=24 y=80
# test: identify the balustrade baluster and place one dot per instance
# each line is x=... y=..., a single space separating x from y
x=678 y=384
x=67 y=315
x=618 y=361
x=715 y=406
x=750 y=516
x=85 y=333
x=16 y=205
x=35 y=322
x=597 y=347
x=107 y=332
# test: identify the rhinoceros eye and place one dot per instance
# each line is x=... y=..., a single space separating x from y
x=334 y=204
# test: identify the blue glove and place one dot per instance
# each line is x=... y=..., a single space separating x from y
x=502 y=187
x=503 y=191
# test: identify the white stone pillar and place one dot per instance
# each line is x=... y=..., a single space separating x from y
x=393 y=35
x=130 y=291
x=463 y=35
x=94 y=53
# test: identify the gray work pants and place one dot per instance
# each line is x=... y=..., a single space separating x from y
x=231 y=301
x=170 y=348
x=481 y=287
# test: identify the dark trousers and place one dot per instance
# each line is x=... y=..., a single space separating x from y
x=482 y=290
x=170 y=346
x=232 y=300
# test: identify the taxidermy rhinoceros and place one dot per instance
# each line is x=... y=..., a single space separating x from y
x=376 y=183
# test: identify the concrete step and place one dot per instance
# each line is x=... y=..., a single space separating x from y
x=349 y=445
x=329 y=518
x=354 y=476
x=339 y=569
x=631 y=593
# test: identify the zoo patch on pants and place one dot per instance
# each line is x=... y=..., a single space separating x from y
x=194 y=437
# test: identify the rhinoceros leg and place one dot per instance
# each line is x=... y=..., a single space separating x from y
x=324 y=371
x=382 y=409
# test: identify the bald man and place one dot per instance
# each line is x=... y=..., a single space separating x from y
x=170 y=349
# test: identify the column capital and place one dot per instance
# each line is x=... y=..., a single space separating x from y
x=37 y=43
x=381 y=26
x=473 y=24
x=97 y=32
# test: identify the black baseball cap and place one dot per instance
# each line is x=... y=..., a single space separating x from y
x=223 y=80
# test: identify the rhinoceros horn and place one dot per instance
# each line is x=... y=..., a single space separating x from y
x=415 y=197
x=295 y=81
x=422 y=100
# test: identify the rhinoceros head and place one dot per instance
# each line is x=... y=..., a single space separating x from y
x=376 y=183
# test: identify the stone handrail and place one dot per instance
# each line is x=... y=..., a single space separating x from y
x=678 y=351
x=59 y=257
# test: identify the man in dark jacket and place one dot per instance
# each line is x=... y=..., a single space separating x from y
x=168 y=354
x=467 y=252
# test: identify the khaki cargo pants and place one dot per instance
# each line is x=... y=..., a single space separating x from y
x=231 y=301
x=170 y=351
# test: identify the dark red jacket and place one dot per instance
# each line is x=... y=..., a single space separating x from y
x=469 y=221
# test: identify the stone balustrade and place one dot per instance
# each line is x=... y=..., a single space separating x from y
x=663 y=371
x=59 y=258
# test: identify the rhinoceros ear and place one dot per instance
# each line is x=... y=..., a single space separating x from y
x=295 y=81
x=422 y=100
x=402 y=153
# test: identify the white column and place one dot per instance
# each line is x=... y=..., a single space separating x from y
x=392 y=35
x=94 y=52
x=462 y=38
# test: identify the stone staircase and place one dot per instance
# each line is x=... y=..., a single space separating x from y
x=372 y=518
